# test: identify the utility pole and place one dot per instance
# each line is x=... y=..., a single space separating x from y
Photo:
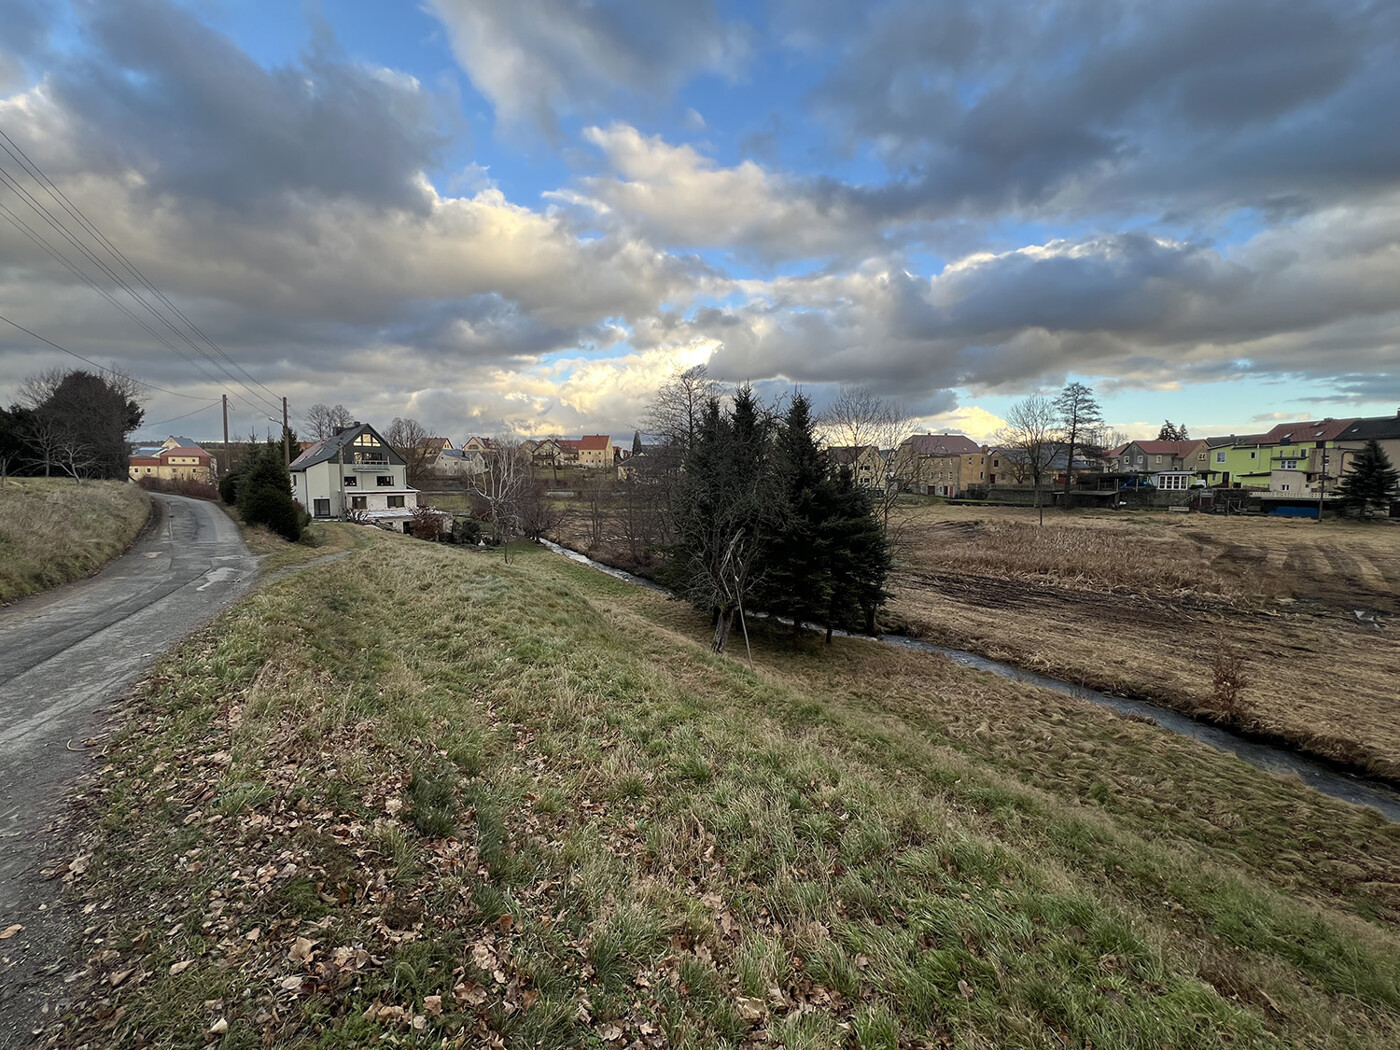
x=225 y=424
x=1321 y=484
x=286 y=435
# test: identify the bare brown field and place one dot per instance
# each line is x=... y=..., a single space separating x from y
x=1141 y=604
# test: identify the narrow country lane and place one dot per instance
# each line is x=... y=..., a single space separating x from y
x=64 y=656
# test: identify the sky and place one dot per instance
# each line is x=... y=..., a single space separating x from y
x=524 y=215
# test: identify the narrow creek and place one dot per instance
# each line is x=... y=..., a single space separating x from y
x=1319 y=775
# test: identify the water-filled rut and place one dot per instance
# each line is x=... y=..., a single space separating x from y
x=1271 y=758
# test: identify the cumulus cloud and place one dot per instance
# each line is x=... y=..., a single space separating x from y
x=674 y=195
x=539 y=59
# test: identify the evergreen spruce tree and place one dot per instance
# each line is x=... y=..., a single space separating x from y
x=636 y=442
x=1372 y=484
x=722 y=510
x=265 y=495
x=796 y=579
x=858 y=554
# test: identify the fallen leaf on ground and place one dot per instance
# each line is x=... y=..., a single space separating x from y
x=751 y=1009
x=432 y=1004
x=118 y=978
x=219 y=1027
x=10 y=931
x=180 y=967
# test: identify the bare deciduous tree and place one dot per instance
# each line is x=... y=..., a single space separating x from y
x=409 y=439
x=499 y=488
x=1029 y=441
x=858 y=417
x=324 y=419
x=676 y=414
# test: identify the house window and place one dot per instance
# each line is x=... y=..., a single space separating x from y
x=1289 y=464
x=385 y=480
x=395 y=502
x=351 y=481
x=322 y=508
x=1220 y=457
x=1252 y=455
x=1285 y=488
x=366 y=439
x=359 y=502
x=1159 y=461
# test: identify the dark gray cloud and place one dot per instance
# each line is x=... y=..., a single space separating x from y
x=156 y=92
x=1065 y=106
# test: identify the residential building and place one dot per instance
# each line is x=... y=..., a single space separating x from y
x=1383 y=430
x=355 y=471
x=865 y=462
x=175 y=459
x=1168 y=465
x=1289 y=460
x=568 y=451
x=939 y=464
x=595 y=451
x=485 y=446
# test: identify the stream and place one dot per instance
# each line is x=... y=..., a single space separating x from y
x=1317 y=774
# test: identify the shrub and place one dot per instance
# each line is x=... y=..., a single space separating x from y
x=466 y=530
x=1227 y=683
x=429 y=524
x=228 y=487
x=180 y=487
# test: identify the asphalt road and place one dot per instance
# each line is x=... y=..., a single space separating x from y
x=65 y=656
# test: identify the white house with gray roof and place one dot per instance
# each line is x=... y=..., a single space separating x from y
x=354 y=471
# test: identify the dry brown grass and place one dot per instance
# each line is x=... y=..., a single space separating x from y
x=55 y=531
x=1168 y=594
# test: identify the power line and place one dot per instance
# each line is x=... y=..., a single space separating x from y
x=100 y=368
x=172 y=419
x=58 y=226
x=11 y=147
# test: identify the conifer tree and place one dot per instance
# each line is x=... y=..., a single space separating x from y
x=1372 y=484
x=796 y=580
x=265 y=495
x=722 y=510
x=858 y=552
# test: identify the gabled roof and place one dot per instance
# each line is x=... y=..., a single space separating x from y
x=1376 y=428
x=328 y=449
x=1234 y=439
x=183 y=442
x=1308 y=430
x=1166 y=448
x=941 y=445
x=569 y=444
x=435 y=444
x=595 y=443
x=846 y=455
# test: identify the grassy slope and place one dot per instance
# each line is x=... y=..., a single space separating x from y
x=53 y=531
x=848 y=847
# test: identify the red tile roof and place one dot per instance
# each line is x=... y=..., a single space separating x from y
x=1166 y=448
x=1307 y=430
x=595 y=443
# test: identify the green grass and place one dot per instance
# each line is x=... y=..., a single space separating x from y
x=54 y=531
x=530 y=790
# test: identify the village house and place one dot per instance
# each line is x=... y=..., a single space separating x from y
x=865 y=462
x=355 y=472
x=1383 y=430
x=1291 y=459
x=939 y=464
x=595 y=451
x=1167 y=465
x=175 y=459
